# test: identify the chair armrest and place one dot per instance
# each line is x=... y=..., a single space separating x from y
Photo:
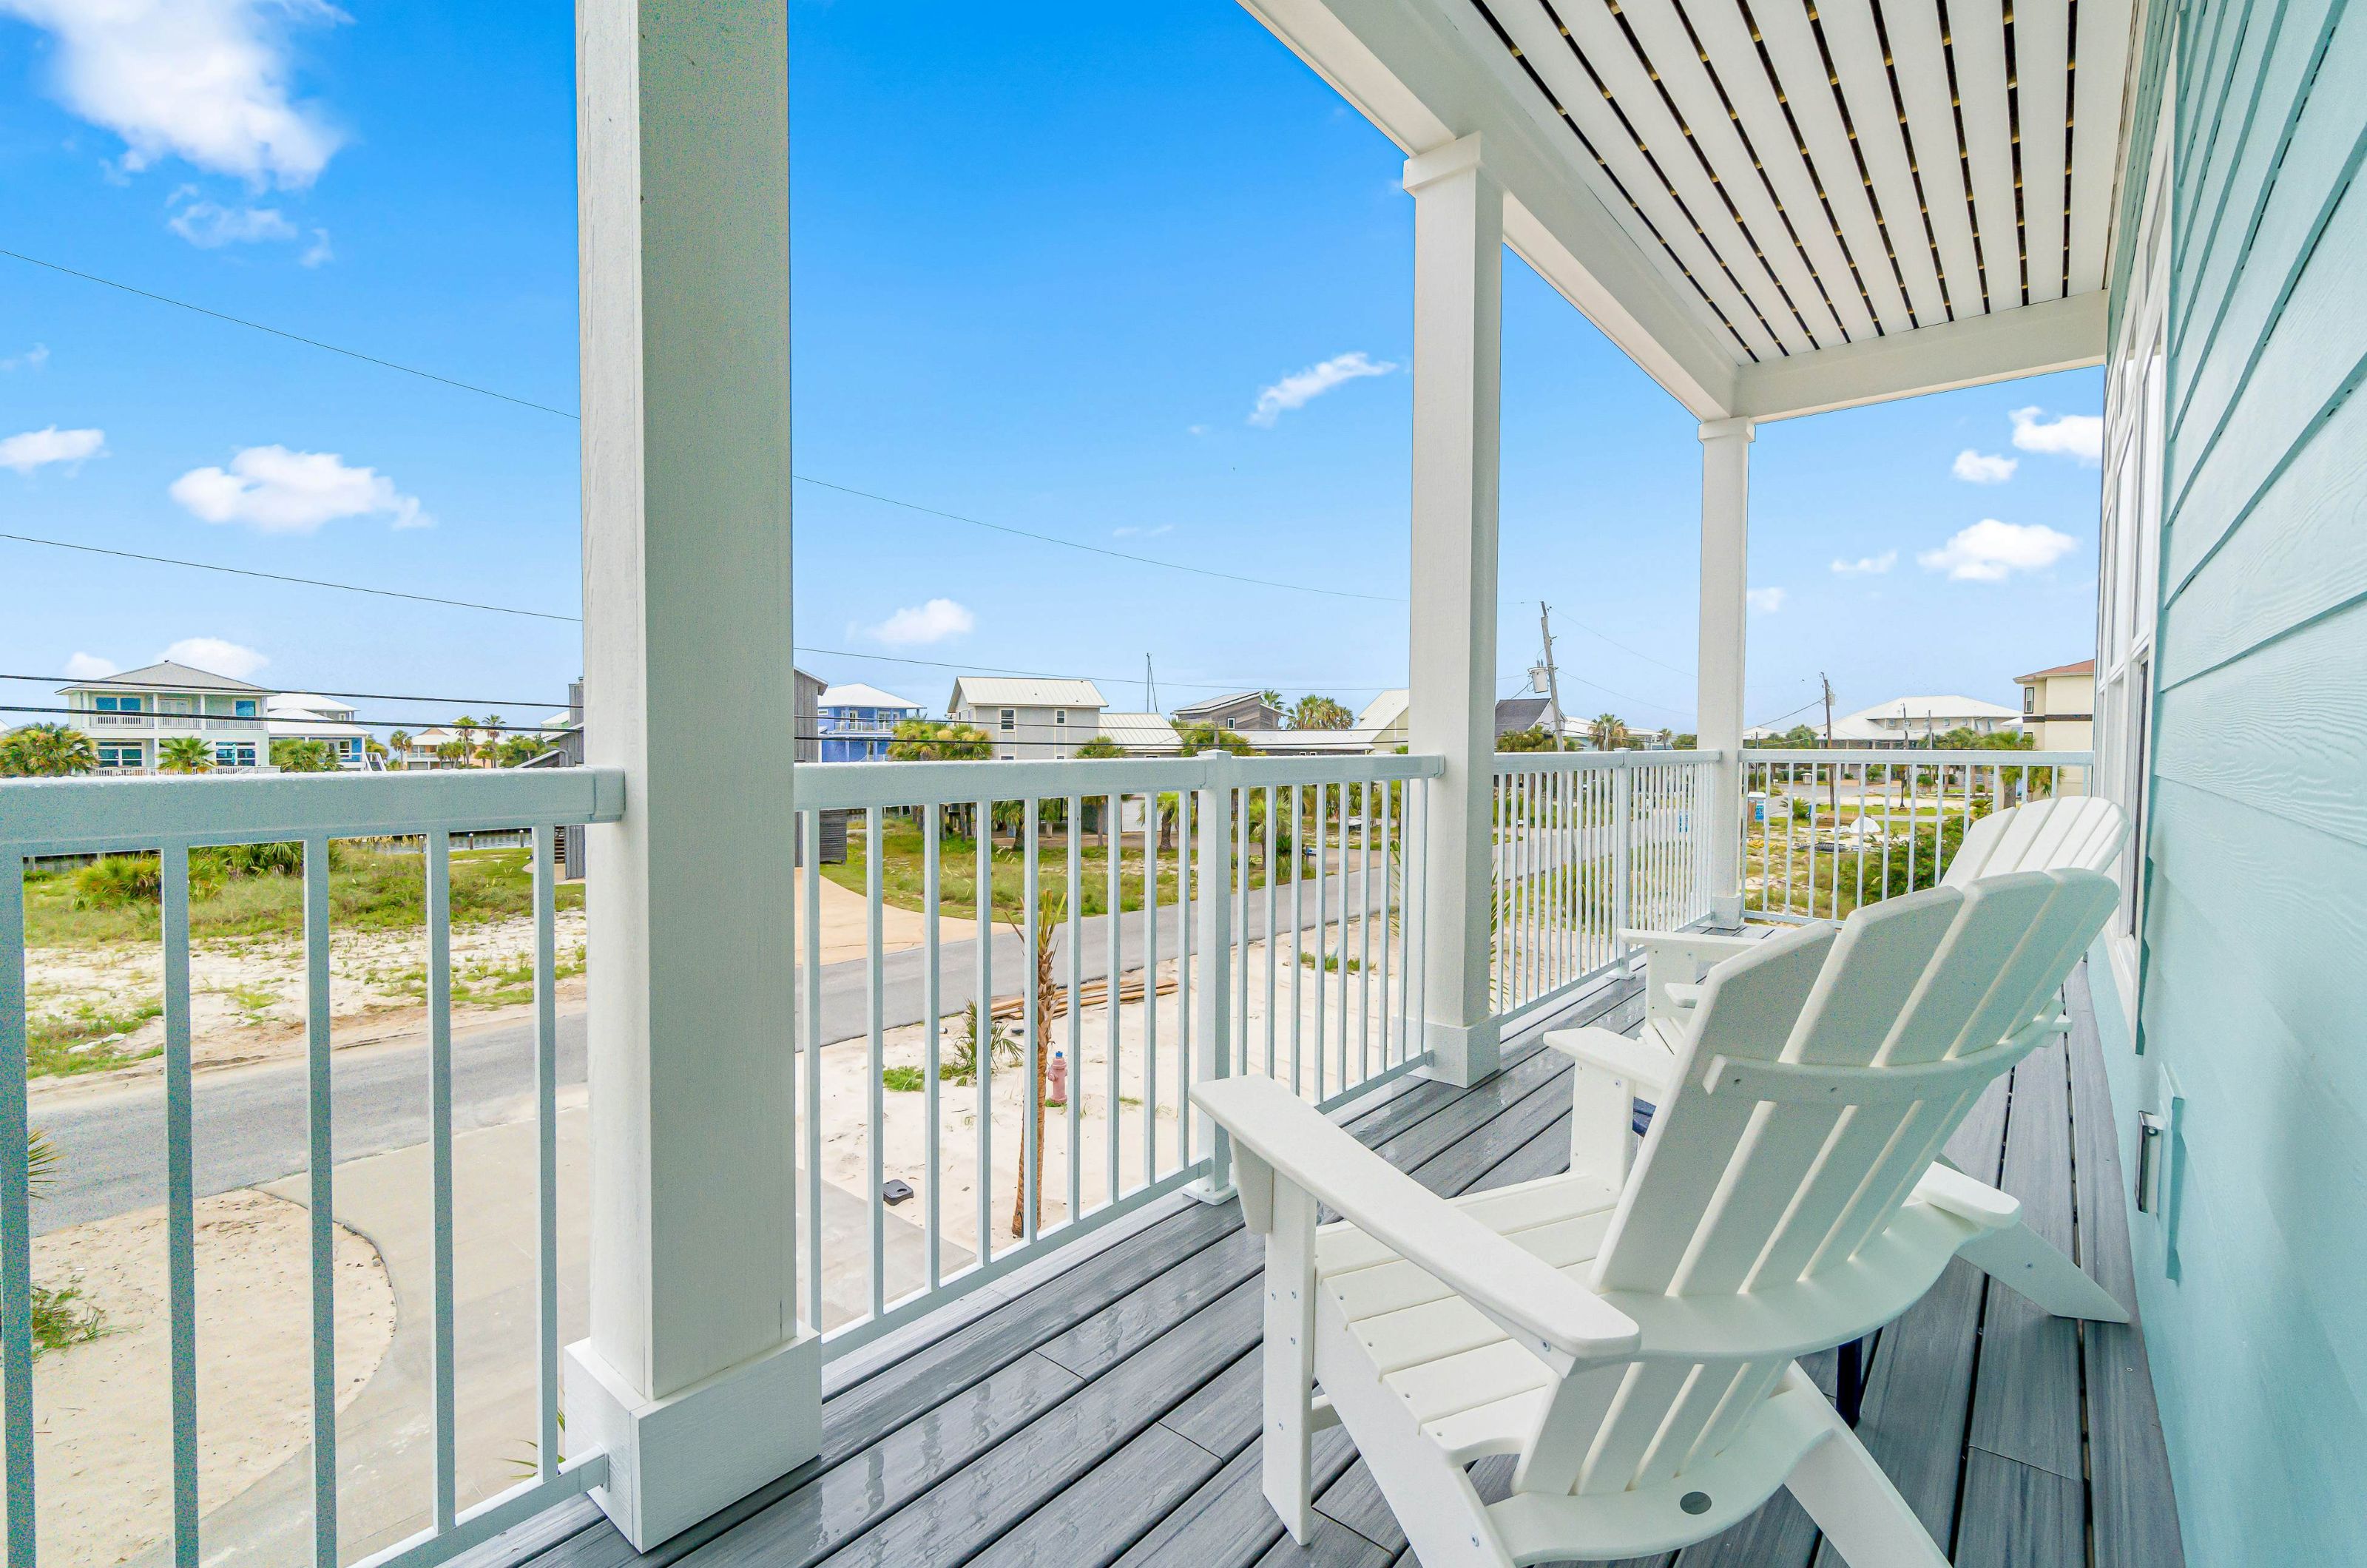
x=1646 y=1067
x=1708 y=947
x=1530 y=1299
x=1946 y=1188
x=1678 y=958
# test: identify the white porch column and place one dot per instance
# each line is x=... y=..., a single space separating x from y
x=1458 y=240
x=1724 y=608
x=696 y=1379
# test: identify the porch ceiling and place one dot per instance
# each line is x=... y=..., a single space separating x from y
x=1770 y=203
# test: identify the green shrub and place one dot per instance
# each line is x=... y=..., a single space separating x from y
x=902 y=1080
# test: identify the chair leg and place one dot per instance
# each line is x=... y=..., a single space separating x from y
x=2025 y=1263
x=1860 y=1511
x=1290 y=1356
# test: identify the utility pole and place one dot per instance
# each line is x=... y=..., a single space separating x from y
x=1150 y=687
x=1833 y=773
x=1553 y=679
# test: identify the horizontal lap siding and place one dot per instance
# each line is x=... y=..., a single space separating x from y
x=2257 y=917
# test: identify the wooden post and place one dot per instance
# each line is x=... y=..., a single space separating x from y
x=696 y=1379
x=1457 y=325
x=1725 y=607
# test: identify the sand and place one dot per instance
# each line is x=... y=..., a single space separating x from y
x=102 y=1433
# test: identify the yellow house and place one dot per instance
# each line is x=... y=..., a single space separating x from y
x=2059 y=706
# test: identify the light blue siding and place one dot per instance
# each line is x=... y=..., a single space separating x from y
x=2255 y=997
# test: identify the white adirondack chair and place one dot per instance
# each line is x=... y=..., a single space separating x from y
x=2067 y=833
x=1633 y=1341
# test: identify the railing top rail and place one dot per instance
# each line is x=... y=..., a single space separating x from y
x=1597 y=761
x=1903 y=756
x=66 y=817
x=832 y=786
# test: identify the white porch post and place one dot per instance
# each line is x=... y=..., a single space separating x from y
x=1724 y=604
x=1458 y=238
x=696 y=1379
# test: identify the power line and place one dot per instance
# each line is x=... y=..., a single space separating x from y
x=282 y=333
x=282 y=577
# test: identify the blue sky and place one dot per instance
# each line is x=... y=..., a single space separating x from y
x=1046 y=259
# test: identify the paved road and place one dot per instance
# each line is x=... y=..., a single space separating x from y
x=250 y=1121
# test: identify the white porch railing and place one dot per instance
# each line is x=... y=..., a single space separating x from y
x=1097 y=949
x=1588 y=844
x=1826 y=831
x=171 y=819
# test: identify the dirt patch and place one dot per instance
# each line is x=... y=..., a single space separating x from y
x=103 y=1437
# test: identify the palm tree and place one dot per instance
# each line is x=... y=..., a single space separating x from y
x=517 y=751
x=489 y=749
x=303 y=757
x=1312 y=712
x=46 y=751
x=1608 y=731
x=185 y=754
x=464 y=736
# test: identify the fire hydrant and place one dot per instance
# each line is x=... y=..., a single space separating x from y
x=1056 y=1080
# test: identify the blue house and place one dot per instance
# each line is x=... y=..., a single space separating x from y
x=858 y=721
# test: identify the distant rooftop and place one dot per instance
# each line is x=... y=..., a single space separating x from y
x=855 y=694
x=2085 y=666
x=168 y=675
x=1023 y=691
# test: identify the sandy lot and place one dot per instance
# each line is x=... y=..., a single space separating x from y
x=103 y=1441
x=247 y=996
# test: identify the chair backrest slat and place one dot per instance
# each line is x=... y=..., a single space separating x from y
x=2076 y=832
x=1736 y=1192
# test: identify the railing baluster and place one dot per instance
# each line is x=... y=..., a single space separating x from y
x=180 y=1198
x=320 y=1155
x=1322 y=946
x=1273 y=1023
x=439 y=1137
x=809 y=823
x=1186 y=937
x=546 y=1129
x=933 y=1021
x=15 y=1223
x=1031 y=1017
x=983 y=1037
x=1113 y=846
x=1388 y=914
x=876 y=1039
x=1072 y=1091
x=1149 y=1106
x=1297 y=933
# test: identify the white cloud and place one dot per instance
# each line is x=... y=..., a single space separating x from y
x=2080 y=436
x=202 y=80
x=318 y=250
x=212 y=653
x=1296 y=391
x=207 y=224
x=1979 y=469
x=89 y=667
x=1195 y=429
x=35 y=448
x=917 y=624
x=1992 y=551
x=32 y=359
x=1134 y=531
x=279 y=492
x=1867 y=565
x=1766 y=601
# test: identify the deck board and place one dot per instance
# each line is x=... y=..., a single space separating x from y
x=1109 y=1414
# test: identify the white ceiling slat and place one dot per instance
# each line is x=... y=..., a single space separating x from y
x=1800 y=71
x=1914 y=31
x=1977 y=38
x=1598 y=37
x=1865 y=88
x=1542 y=45
x=1681 y=73
x=2042 y=56
x=2103 y=55
x=1735 y=58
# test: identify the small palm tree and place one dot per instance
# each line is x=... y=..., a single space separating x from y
x=46 y=751
x=489 y=749
x=1608 y=731
x=185 y=754
x=303 y=757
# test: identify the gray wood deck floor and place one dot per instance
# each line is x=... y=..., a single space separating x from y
x=1110 y=1414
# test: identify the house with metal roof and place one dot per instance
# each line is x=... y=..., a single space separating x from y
x=1030 y=717
x=130 y=717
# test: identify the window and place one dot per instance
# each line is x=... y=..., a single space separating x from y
x=1059 y=715
x=120 y=705
x=119 y=756
x=1010 y=718
x=243 y=707
x=2030 y=699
